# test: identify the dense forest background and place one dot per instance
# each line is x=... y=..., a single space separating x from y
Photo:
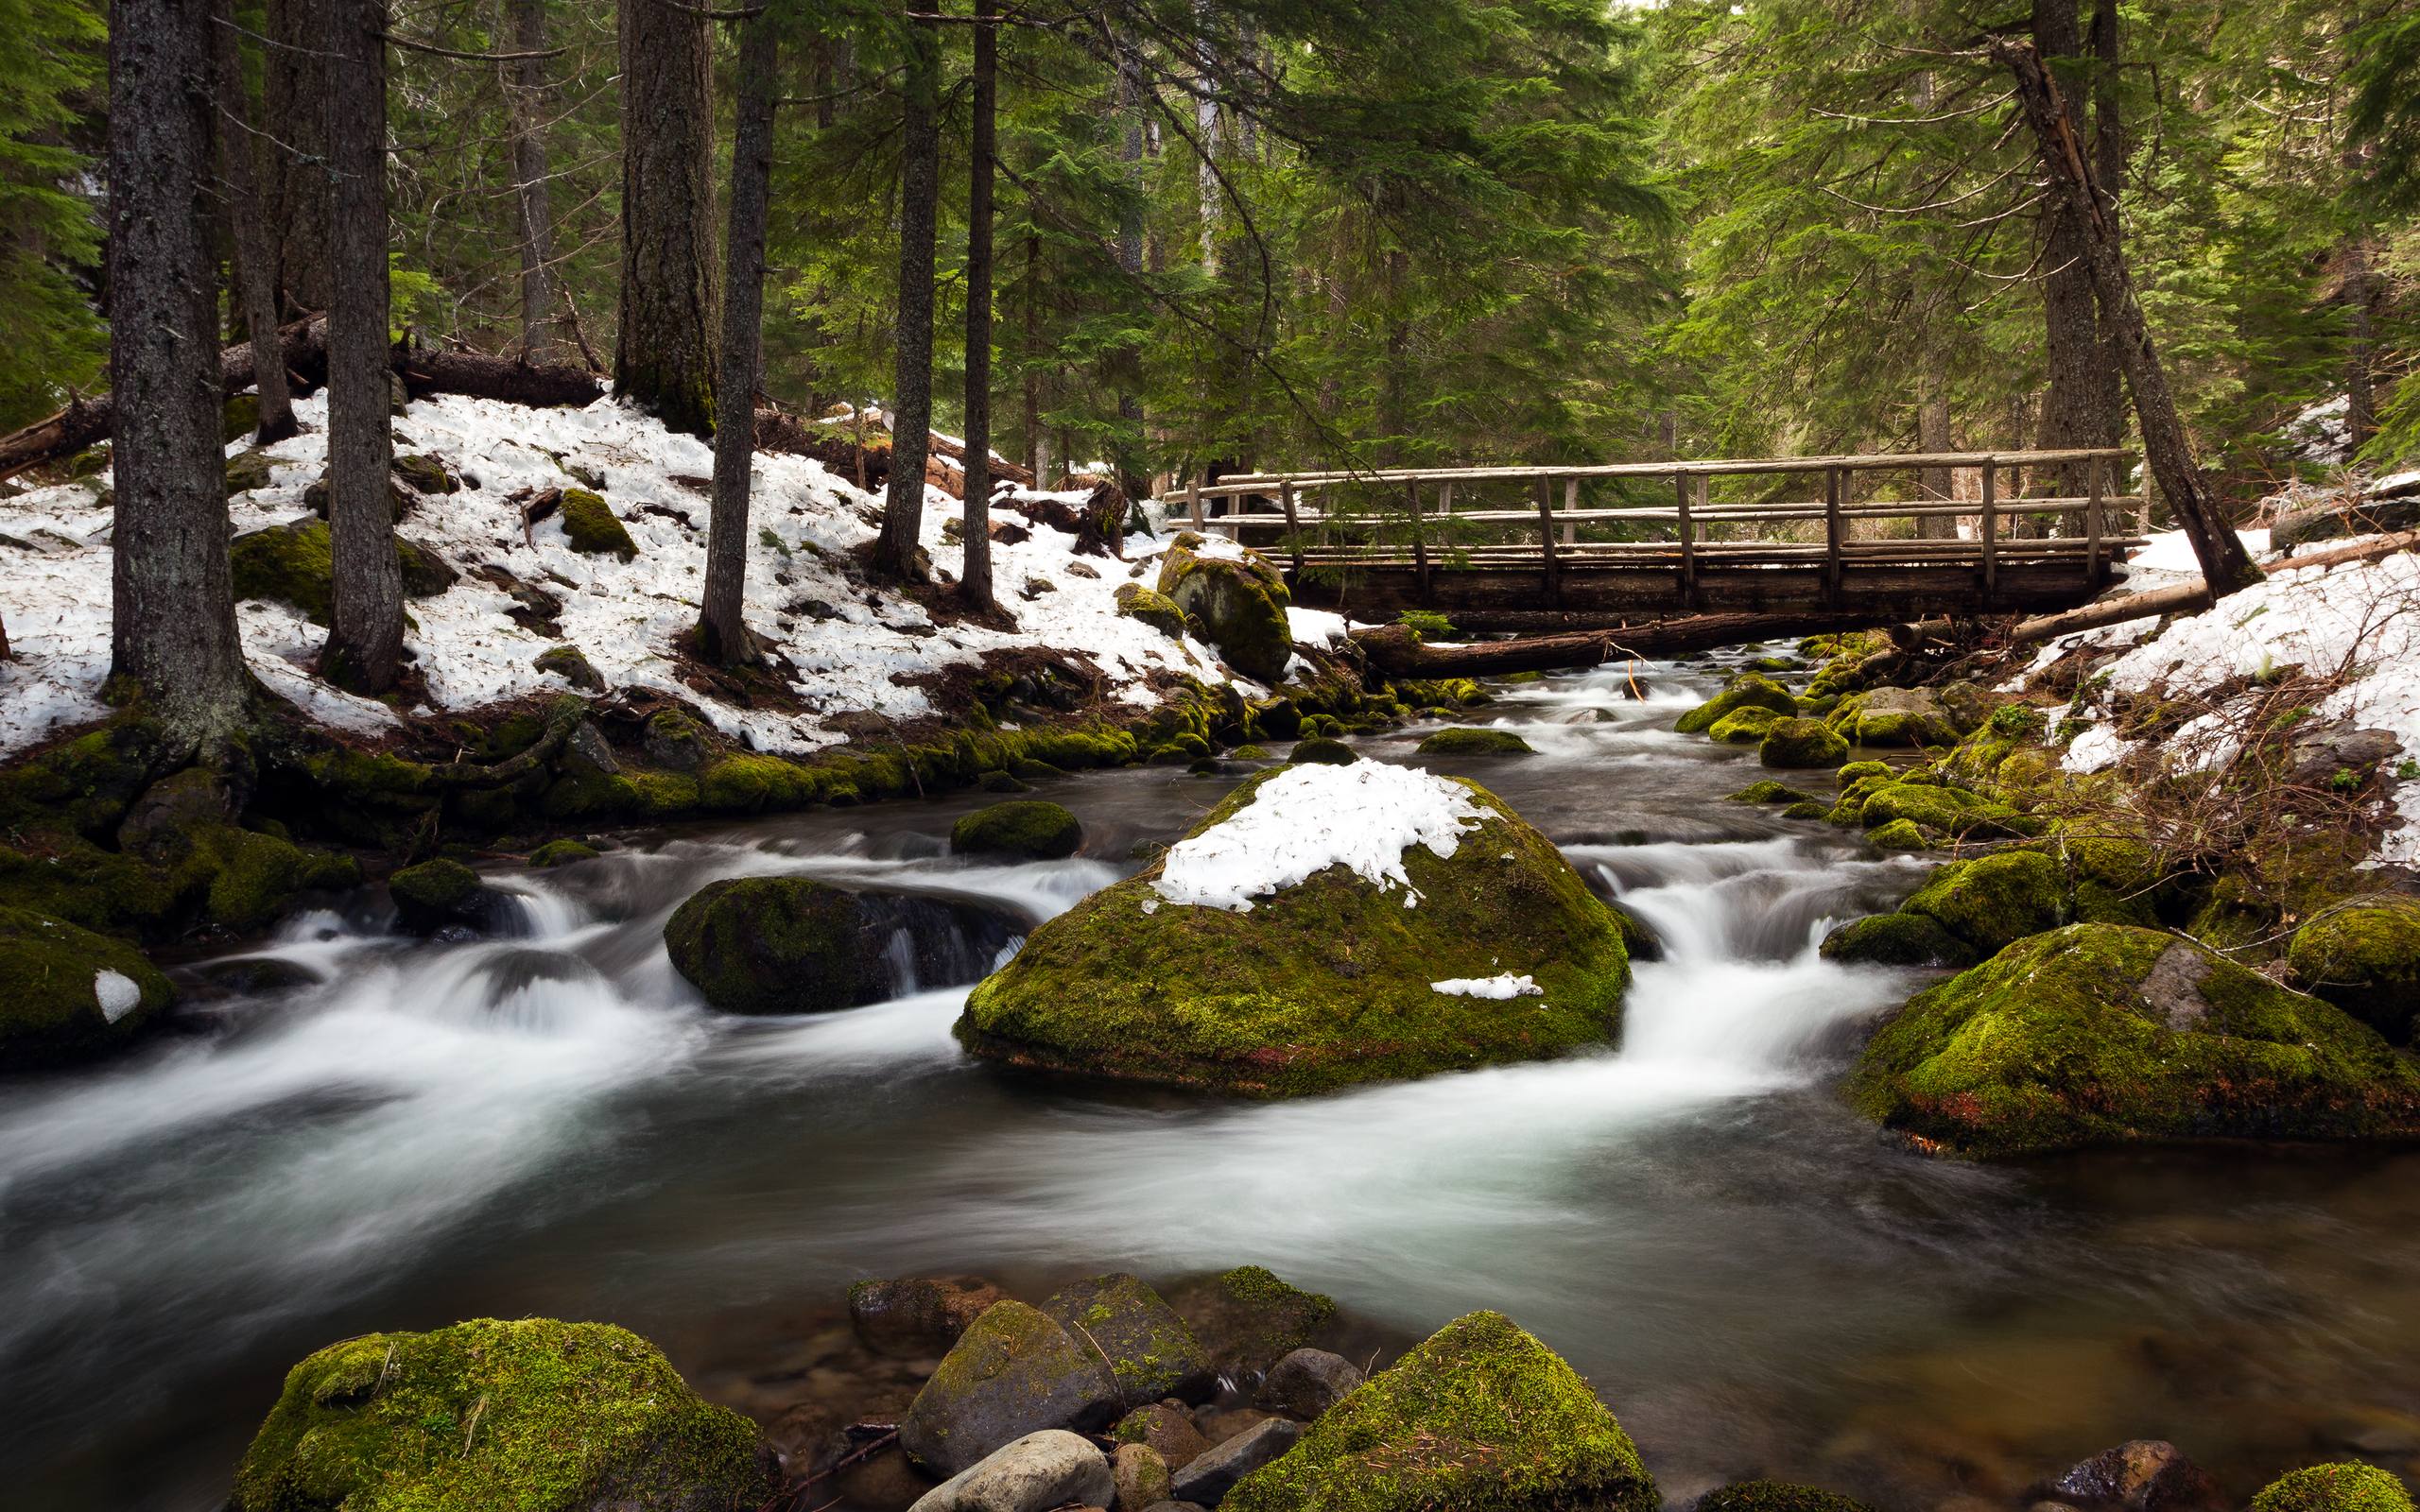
x=1281 y=232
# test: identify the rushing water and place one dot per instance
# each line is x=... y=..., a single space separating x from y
x=370 y=1133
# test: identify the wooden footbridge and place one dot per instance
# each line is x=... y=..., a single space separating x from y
x=1487 y=541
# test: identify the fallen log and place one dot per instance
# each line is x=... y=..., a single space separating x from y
x=1394 y=650
x=1664 y=636
x=2193 y=597
x=88 y=422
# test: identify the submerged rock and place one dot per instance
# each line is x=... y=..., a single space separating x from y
x=918 y=1317
x=1015 y=1371
x=1051 y=1469
x=1028 y=828
x=1235 y=600
x=532 y=1415
x=446 y=898
x=1150 y=1349
x=2101 y=1034
x=68 y=994
x=2141 y=1475
x=2364 y=957
x=1296 y=939
x=1481 y=1418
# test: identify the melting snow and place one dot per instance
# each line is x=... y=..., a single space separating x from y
x=117 y=993
x=1308 y=818
x=1501 y=987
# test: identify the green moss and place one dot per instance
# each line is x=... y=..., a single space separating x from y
x=589 y=524
x=1893 y=716
x=425 y=474
x=249 y=879
x=1321 y=984
x=1239 y=604
x=1027 y=828
x=532 y=1415
x=1896 y=940
x=2348 y=1487
x=1464 y=741
x=437 y=887
x=1994 y=900
x=771 y=945
x=1776 y=1496
x=1800 y=743
x=572 y=664
x=1858 y=771
x=2097 y=1034
x=1899 y=835
x=1157 y=611
x=1937 y=809
x=561 y=854
x=1481 y=1417
x=1742 y=726
x=248 y=470
x=1807 y=810
x=2364 y=957
x=1747 y=690
x=1251 y=753
x=68 y=994
x=1766 y=790
x=294 y=564
x=1147 y=1347
x=745 y=782
x=1322 y=750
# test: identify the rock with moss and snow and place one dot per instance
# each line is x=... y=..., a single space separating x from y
x=794 y=945
x=1157 y=611
x=68 y=994
x=1749 y=690
x=1148 y=1346
x=1481 y=1417
x=531 y=1416
x=1235 y=600
x=1468 y=741
x=1322 y=926
x=446 y=899
x=1015 y=1371
x=2364 y=957
x=1249 y=1319
x=2346 y=1487
x=1893 y=716
x=2102 y=1034
x=1029 y=829
x=1800 y=743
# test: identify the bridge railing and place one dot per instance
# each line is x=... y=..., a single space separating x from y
x=1311 y=517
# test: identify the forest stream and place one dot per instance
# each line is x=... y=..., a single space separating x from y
x=377 y=1133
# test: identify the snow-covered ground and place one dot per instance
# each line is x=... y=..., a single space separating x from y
x=852 y=647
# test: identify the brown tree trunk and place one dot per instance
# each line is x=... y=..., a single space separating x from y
x=722 y=627
x=365 y=648
x=1932 y=435
x=525 y=93
x=2361 y=346
x=2077 y=403
x=1037 y=439
x=295 y=99
x=664 y=357
x=172 y=614
x=2224 y=563
x=976 y=580
x=1124 y=379
x=911 y=417
x=255 y=247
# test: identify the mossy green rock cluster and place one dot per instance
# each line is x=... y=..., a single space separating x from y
x=1150 y=1349
x=2364 y=957
x=1155 y=610
x=531 y=1416
x=1468 y=741
x=1800 y=743
x=562 y=853
x=2346 y=1487
x=1030 y=829
x=1749 y=690
x=1893 y=716
x=68 y=994
x=2102 y=1034
x=1877 y=796
x=1321 y=750
x=1481 y=1417
x=295 y=564
x=1994 y=900
x=1015 y=1371
x=1743 y=727
x=1321 y=984
x=589 y=524
x=1896 y=940
x=1238 y=602
x=1249 y=1319
x=772 y=945
x=1766 y=790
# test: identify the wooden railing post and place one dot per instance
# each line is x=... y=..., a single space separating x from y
x=1193 y=502
x=1419 y=543
x=1571 y=506
x=1682 y=490
x=1552 y=568
x=1833 y=483
x=1991 y=528
x=1293 y=523
x=2092 y=526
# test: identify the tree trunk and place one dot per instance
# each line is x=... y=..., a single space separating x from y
x=2077 y=404
x=1037 y=439
x=664 y=357
x=1205 y=137
x=172 y=617
x=1932 y=435
x=255 y=245
x=525 y=93
x=2109 y=166
x=365 y=649
x=1396 y=651
x=2361 y=345
x=903 y=515
x=975 y=580
x=2166 y=446
x=1125 y=377
x=722 y=629
x=295 y=99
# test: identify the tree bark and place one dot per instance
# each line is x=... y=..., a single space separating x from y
x=2361 y=345
x=903 y=515
x=1037 y=438
x=172 y=617
x=1933 y=435
x=255 y=245
x=2166 y=446
x=664 y=357
x=2079 y=401
x=295 y=99
x=974 y=581
x=1124 y=379
x=722 y=627
x=525 y=94
x=1396 y=651
x=365 y=648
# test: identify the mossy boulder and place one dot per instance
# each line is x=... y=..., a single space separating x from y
x=1321 y=984
x=1743 y=727
x=294 y=564
x=1994 y=900
x=1481 y=1417
x=1028 y=828
x=1015 y=1371
x=1237 y=601
x=1249 y=1319
x=1776 y=1496
x=444 y=897
x=1893 y=716
x=591 y=526
x=425 y=475
x=2101 y=1034
x=68 y=994
x=1748 y=690
x=2364 y=957
x=1321 y=750
x=1933 y=807
x=1896 y=940
x=1766 y=790
x=399 y=499
x=1800 y=743
x=530 y=1415
x=1148 y=1346
x=571 y=665
x=248 y=470
x=773 y=945
x=1466 y=741
x=561 y=854
x=1155 y=610
x=2346 y=1487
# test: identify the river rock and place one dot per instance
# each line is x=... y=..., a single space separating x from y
x=1142 y=1476
x=1024 y=828
x=2103 y=1033
x=446 y=899
x=2364 y=957
x=1893 y=716
x=1796 y=743
x=1749 y=690
x=2343 y=1488
x=1248 y=1320
x=1235 y=601
x=1744 y=726
x=534 y=1414
x=1463 y=740
x=1776 y=1496
x=1150 y=1349
x=1164 y=1427
x=1896 y=940
x=918 y=1317
x=1051 y=1469
x=68 y=994
x=1994 y=900
x=1212 y=969
x=1013 y=1372
x=794 y=945
x=1213 y=1474
x=2142 y=1475
x=1322 y=750
x=1481 y=1416
x=1308 y=1382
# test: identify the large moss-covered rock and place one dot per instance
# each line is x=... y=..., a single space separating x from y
x=1249 y=1319
x=1237 y=601
x=2100 y=1033
x=771 y=945
x=1893 y=716
x=589 y=524
x=1933 y=807
x=1481 y=1418
x=1792 y=742
x=1148 y=1347
x=294 y=564
x=1467 y=741
x=1155 y=610
x=1327 y=981
x=1896 y=940
x=2346 y=1487
x=531 y=1416
x=2365 y=958
x=1015 y=1371
x=1743 y=727
x=446 y=898
x=1994 y=900
x=67 y=994
x=1029 y=829
x=1746 y=691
